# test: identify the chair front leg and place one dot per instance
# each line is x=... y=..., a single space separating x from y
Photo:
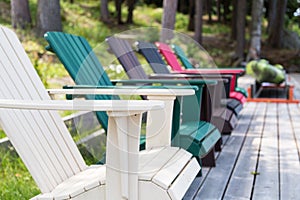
x=122 y=155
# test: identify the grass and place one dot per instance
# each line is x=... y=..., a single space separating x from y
x=2 y=134
x=16 y=182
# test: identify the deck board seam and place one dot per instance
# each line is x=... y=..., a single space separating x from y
x=238 y=155
x=258 y=152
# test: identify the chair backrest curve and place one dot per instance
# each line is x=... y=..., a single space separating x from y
x=151 y=54
x=182 y=57
x=40 y=137
x=82 y=64
x=169 y=56
x=127 y=58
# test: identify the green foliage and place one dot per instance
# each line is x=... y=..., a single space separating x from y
x=2 y=134
x=18 y=182
x=215 y=29
x=181 y=22
x=147 y=16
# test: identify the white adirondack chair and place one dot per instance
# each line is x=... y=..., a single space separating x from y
x=29 y=118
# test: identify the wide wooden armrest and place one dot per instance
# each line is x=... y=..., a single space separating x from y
x=166 y=81
x=215 y=71
x=83 y=105
x=126 y=90
x=225 y=78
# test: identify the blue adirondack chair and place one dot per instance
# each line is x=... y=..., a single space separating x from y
x=77 y=55
x=158 y=65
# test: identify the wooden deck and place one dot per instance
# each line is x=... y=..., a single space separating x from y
x=259 y=160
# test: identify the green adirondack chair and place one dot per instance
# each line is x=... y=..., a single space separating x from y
x=77 y=55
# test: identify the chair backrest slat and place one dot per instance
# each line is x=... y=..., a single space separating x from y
x=40 y=137
x=169 y=56
x=182 y=57
x=151 y=54
x=82 y=64
x=127 y=58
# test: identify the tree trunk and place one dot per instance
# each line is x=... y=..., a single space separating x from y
x=256 y=16
x=118 y=4
x=240 y=29
x=20 y=14
x=276 y=31
x=208 y=10
x=191 y=25
x=198 y=20
x=104 y=13
x=48 y=16
x=271 y=14
x=168 y=18
x=183 y=6
x=226 y=5
x=234 y=19
x=219 y=10
x=130 y=11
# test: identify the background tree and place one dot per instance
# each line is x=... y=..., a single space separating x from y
x=234 y=19
x=276 y=30
x=191 y=24
x=130 y=6
x=271 y=13
x=240 y=30
x=168 y=18
x=118 y=5
x=48 y=16
x=20 y=14
x=198 y=21
x=256 y=16
x=104 y=13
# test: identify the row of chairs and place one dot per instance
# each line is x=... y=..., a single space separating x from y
x=179 y=140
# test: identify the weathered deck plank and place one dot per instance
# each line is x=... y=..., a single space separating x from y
x=260 y=160
x=289 y=151
x=240 y=185
x=218 y=177
x=267 y=182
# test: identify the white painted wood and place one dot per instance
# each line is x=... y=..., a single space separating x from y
x=148 y=171
x=83 y=105
x=94 y=193
x=159 y=123
x=126 y=90
x=12 y=87
x=267 y=183
x=150 y=191
x=186 y=177
x=122 y=179
x=167 y=174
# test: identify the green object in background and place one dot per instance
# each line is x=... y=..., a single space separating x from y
x=263 y=71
